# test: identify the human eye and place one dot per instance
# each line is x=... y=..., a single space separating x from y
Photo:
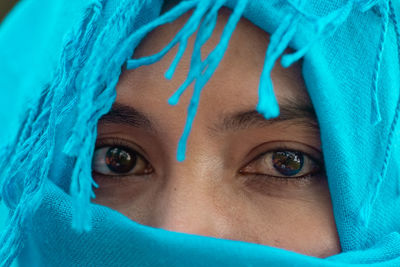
x=116 y=157
x=286 y=163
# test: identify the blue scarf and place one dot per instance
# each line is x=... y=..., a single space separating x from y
x=60 y=58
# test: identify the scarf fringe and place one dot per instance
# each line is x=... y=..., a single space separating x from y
x=34 y=150
x=92 y=86
x=20 y=193
x=96 y=95
x=200 y=71
x=82 y=74
x=279 y=41
x=76 y=53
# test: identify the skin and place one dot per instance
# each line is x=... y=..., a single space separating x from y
x=213 y=192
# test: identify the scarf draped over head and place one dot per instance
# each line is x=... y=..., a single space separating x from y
x=59 y=65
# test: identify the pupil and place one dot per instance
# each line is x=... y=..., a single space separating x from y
x=119 y=160
x=288 y=163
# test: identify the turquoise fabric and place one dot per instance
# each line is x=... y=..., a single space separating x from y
x=59 y=65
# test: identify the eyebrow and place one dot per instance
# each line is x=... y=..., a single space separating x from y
x=127 y=115
x=297 y=113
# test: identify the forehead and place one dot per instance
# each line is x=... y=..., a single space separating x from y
x=233 y=86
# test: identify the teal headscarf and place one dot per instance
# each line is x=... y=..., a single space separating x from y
x=59 y=65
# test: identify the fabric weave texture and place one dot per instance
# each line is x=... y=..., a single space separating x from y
x=59 y=65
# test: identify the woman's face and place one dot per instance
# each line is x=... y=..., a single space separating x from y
x=244 y=177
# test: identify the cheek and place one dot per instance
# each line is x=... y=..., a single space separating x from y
x=303 y=225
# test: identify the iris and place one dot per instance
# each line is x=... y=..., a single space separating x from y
x=120 y=160
x=288 y=163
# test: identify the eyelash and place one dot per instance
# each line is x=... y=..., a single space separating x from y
x=296 y=180
x=284 y=180
x=113 y=142
x=248 y=176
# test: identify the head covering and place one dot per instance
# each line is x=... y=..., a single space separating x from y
x=59 y=66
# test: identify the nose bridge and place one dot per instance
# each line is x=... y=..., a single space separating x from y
x=186 y=203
